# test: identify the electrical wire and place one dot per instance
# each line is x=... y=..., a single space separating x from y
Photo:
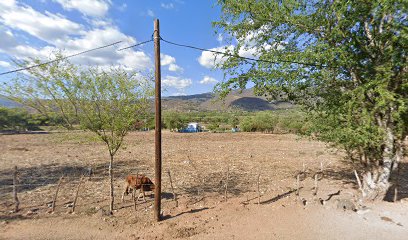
x=138 y=44
x=246 y=58
x=59 y=59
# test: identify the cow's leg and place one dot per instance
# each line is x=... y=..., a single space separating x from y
x=125 y=191
x=144 y=196
x=138 y=195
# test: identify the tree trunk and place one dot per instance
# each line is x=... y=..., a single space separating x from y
x=376 y=180
x=111 y=184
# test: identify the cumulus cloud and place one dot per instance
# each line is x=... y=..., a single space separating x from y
x=167 y=60
x=47 y=27
x=175 y=68
x=177 y=82
x=93 y=8
x=62 y=34
x=210 y=59
x=208 y=80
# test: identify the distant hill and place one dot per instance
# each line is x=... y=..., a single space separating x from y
x=4 y=102
x=245 y=100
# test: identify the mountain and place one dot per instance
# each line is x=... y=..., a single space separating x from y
x=245 y=100
x=4 y=102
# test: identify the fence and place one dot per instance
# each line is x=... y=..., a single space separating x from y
x=88 y=189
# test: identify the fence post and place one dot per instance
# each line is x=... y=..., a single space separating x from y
x=172 y=189
x=77 y=192
x=56 y=193
x=259 y=194
x=15 y=183
x=226 y=185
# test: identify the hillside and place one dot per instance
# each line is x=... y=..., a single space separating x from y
x=4 y=102
x=246 y=101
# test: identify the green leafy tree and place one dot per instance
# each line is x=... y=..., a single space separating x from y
x=106 y=102
x=174 y=120
x=345 y=62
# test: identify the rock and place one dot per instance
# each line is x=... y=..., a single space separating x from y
x=345 y=204
x=69 y=205
x=35 y=209
x=29 y=213
x=363 y=210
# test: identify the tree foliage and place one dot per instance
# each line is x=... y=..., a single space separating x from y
x=18 y=119
x=345 y=62
x=106 y=102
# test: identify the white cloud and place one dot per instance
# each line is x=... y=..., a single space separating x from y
x=167 y=6
x=47 y=27
x=179 y=94
x=177 y=82
x=5 y=64
x=150 y=13
x=167 y=60
x=210 y=59
x=70 y=40
x=175 y=68
x=106 y=57
x=208 y=80
x=93 y=8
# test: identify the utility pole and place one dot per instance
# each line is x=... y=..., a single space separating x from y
x=158 y=152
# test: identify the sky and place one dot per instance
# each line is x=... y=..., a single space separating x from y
x=37 y=28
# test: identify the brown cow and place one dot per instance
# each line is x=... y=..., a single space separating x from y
x=139 y=182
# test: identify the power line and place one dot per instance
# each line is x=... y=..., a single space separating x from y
x=59 y=59
x=138 y=44
x=246 y=58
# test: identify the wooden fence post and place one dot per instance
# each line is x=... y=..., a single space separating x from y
x=15 y=183
x=297 y=184
x=77 y=192
x=56 y=193
x=259 y=194
x=226 y=185
x=172 y=189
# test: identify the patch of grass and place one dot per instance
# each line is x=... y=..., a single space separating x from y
x=80 y=137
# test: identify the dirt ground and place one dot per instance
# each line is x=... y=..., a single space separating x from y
x=198 y=164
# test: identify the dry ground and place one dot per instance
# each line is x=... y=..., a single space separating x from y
x=198 y=164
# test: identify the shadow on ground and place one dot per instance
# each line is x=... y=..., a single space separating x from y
x=346 y=175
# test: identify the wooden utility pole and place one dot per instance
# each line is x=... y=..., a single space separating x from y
x=158 y=161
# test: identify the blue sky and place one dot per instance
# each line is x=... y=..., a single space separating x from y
x=36 y=28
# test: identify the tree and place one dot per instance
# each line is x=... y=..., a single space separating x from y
x=173 y=120
x=345 y=62
x=106 y=102
x=17 y=119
